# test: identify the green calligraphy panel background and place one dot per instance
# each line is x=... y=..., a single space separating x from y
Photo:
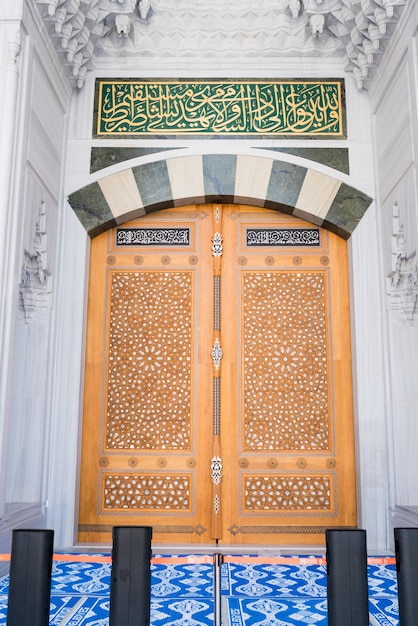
x=309 y=108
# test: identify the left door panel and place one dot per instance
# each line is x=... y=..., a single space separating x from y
x=147 y=424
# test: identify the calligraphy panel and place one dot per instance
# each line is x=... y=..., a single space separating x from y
x=282 y=237
x=222 y=108
x=153 y=236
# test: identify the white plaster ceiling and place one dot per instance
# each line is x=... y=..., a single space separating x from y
x=253 y=34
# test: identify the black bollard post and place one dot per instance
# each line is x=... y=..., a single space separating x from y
x=406 y=552
x=130 y=584
x=30 y=578
x=217 y=564
x=347 y=583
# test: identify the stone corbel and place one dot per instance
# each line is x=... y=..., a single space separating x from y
x=124 y=13
x=316 y=24
x=36 y=281
x=144 y=7
x=402 y=283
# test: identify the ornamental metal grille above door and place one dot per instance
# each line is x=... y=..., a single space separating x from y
x=218 y=380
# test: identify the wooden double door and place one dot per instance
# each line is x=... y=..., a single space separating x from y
x=218 y=396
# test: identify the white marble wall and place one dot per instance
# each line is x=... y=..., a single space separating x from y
x=394 y=101
x=368 y=345
x=30 y=224
x=66 y=391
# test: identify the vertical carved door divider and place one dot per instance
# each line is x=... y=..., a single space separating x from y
x=216 y=462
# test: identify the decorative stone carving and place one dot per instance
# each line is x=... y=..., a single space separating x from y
x=316 y=24
x=35 y=285
x=403 y=281
x=357 y=31
x=144 y=7
x=77 y=26
x=362 y=28
x=121 y=14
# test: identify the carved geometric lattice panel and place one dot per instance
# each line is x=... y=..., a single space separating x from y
x=286 y=399
x=287 y=493
x=149 y=372
x=133 y=491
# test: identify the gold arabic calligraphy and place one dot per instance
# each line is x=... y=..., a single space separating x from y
x=220 y=108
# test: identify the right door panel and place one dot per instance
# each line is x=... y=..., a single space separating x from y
x=286 y=403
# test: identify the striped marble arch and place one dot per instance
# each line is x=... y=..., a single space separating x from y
x=261 y=181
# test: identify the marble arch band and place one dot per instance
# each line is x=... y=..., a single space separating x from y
x=260 y=181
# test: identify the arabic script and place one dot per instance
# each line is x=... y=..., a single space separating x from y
x=309 y=108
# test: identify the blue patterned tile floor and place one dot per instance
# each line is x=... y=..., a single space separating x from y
x=253 y=593
x=294 y=595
